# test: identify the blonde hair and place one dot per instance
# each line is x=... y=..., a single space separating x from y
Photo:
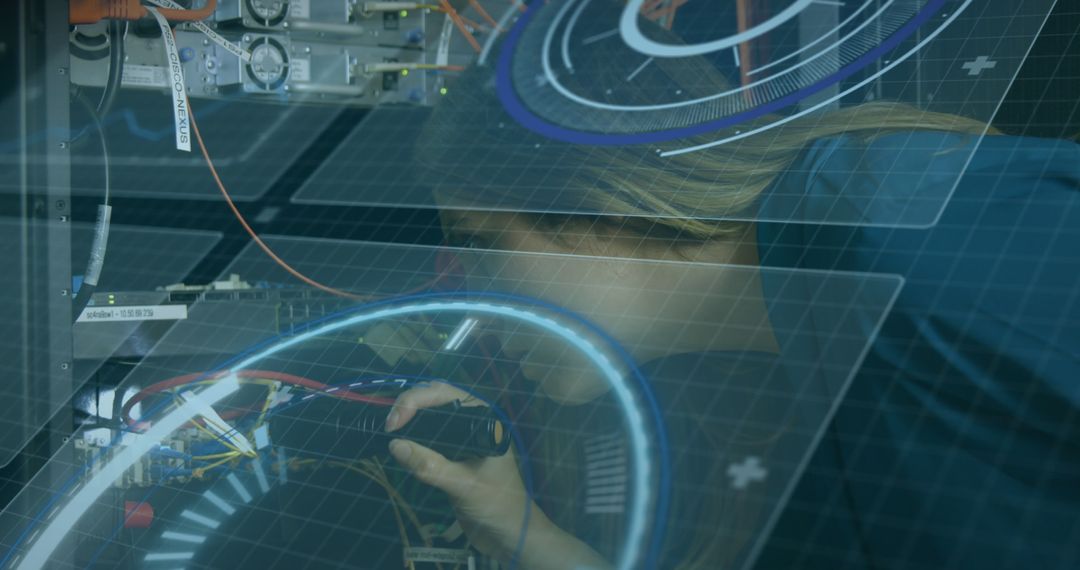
x=694 y=195
x=472 y=149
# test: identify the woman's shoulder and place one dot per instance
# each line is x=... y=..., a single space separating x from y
x=863 y=150
x=906 y=178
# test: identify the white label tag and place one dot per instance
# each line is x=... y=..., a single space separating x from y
x=133 y=313
x=176 y=83
x=143 y=75
x=283 y=395
x=442 y=55
x=300 y=70
x=424 y=554
x=100 y=244
x=300 y=9
x=262 y=437
x=210 y=33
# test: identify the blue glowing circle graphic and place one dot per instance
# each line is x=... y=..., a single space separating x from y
x=242 y=487
x=538 y=54
x=647 y=436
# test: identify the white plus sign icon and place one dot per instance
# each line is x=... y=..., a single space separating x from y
x=749 y=471
x=979 y=64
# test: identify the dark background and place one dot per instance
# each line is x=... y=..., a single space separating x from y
x=1044 y=101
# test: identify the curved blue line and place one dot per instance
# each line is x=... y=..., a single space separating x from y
x=74 y=478
x=516 y=108
x=663 y=493
x=523 y=459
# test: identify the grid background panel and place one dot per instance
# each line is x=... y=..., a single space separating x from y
x=135 y=260
x=829 y=320
x=251 y=145
x=478 y=157
x=140 y=260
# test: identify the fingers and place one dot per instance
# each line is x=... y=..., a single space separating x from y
x=430 y=466
x=429 y=396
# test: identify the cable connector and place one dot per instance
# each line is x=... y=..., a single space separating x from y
x=93 y=11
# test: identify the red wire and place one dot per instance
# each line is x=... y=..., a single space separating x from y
x=337 y=392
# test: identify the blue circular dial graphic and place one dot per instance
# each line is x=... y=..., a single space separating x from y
x=581 y=72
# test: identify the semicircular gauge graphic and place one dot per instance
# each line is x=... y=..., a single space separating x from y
x=177 y=456
x=591 y=72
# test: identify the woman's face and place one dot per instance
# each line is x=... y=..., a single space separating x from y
x=652 y=309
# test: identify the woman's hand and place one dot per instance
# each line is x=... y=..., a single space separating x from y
x=487 y=494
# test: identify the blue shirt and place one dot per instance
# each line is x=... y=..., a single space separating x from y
x=958 y=442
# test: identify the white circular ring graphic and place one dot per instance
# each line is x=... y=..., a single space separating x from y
x=631 y=33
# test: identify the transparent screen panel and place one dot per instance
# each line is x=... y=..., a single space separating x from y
x=801 y=111
x=622 y=413
x=251 y=145
x=142 y=258
x=134 y=259
x=138 y=261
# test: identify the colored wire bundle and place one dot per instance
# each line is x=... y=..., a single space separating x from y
x=250 y=377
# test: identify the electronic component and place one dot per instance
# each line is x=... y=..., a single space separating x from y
x=171 y=461
x=311 y=52
x=349 y=431
x=127 y=324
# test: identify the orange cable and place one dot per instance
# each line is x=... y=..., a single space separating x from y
x=650 y=6
x=654 y=11
x=469 y=22
x=452 y=13
x=484 y=14
x=266 y=249
x=254 y=236
x=671 y=15
x=745 y=15
x=92 y=11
